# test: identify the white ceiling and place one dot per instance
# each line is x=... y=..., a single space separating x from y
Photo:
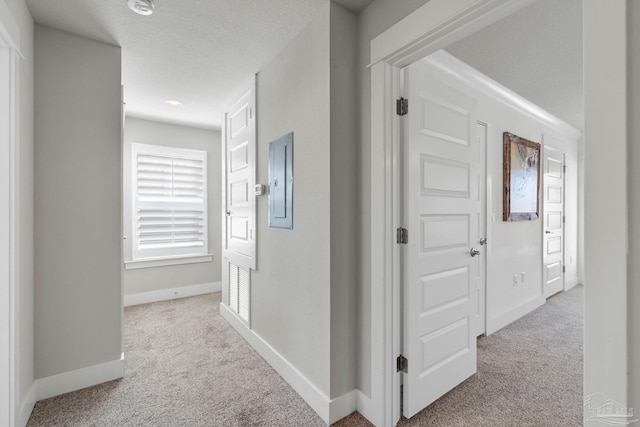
x=200 y=52
x=537 y=53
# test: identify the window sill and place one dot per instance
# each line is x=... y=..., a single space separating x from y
x=162 y=262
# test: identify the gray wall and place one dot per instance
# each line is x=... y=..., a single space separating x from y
x=290 y=290
x=344 y=191
x=374 y=20
x=78 y=303
x=633 y=160
x=158 y=133
x=606 y=258
x=25 y=234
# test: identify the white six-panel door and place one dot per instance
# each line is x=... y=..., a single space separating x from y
x=481 y=278
x=553 y=223
x=441 y=213
x=239 y=150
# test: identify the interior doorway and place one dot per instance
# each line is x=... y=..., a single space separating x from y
x=391 y=52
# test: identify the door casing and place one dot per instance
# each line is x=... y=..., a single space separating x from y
x=9 y=219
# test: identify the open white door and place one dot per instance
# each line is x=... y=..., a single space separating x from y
x=481 y=278
x=239 y=176
x=441 y=258
x=553 y=221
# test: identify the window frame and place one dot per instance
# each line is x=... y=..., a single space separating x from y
x=136 y=258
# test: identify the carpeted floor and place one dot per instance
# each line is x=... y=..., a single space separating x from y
x=529 y=374
x=185 y=366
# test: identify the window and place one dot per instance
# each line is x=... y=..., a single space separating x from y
x=169 y=203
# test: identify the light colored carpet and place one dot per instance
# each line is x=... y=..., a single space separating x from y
x=185 y=366
x=529 y=374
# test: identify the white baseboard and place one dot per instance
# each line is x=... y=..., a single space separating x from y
x=329 y=410
x=500 y=321
x=67 y=382
x=173 y=293
x=366 y=407
x=27 y=406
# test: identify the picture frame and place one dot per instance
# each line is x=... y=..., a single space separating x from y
x=521 y=178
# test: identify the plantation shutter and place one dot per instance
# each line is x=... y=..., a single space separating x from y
x=170 y=215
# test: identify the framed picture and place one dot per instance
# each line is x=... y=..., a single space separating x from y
x=521 y=201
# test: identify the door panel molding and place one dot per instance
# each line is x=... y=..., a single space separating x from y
x=421 y=33
x=440 y=208
x=552 y=220
x=238 y=180
x=10 y=393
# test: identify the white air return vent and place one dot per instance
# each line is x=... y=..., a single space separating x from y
x=239 y=290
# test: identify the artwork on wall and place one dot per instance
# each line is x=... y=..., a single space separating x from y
x=521 y=178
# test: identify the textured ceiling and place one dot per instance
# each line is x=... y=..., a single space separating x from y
x=198 y=52
x=537 y=53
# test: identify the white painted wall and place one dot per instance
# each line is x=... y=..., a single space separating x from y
x=23 y=18
x=372 y=21
x=513 y=247
x=78 y=290
x=290 y=289
x=175 y=276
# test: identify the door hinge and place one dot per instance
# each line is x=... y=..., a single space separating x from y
x=402 y=236
x=402 y=106
x=563 y=219
x=564 y=269
x=402 y=364
x=564 y=168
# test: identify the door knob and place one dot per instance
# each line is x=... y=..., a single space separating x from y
x=228 y=213
x=483 y=241
x=547 y=232
x=473 y=252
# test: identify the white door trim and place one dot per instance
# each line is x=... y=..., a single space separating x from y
x=10 y=216
x=429 y=28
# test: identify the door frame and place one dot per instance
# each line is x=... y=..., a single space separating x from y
x=429 y=28
x=9 y=230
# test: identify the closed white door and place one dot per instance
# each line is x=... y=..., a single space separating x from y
x=239 y=154
x=440 y=262
x=553 y=221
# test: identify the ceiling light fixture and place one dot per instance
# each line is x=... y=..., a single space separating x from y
x=142 y=7
x=173 y=103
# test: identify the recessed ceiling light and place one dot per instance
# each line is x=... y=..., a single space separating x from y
x=142 y=7
x=172 y=103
